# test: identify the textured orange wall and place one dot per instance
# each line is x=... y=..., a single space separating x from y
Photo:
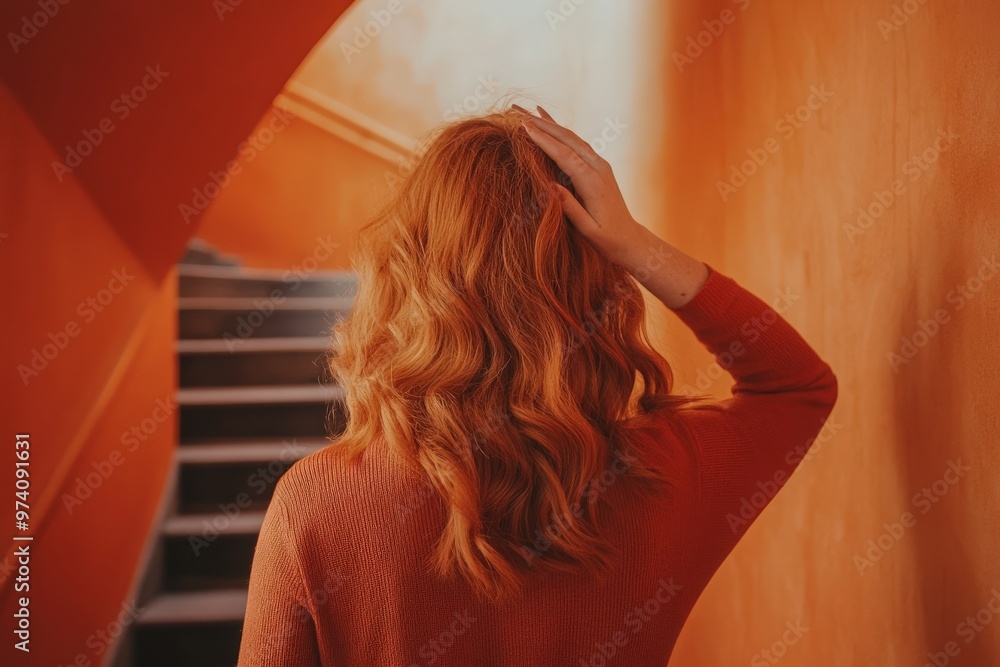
x=900 y=75
x=77 y=400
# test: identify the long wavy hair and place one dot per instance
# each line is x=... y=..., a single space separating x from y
x=494 y=349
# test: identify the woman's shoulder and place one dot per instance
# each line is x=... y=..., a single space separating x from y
x=329 y=485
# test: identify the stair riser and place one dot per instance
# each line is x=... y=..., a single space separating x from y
x=207 y=645
x=229 y=489
x=209 y=559
x=199 y=423
x=258 y=368
x=264 y=288
x=264 y=321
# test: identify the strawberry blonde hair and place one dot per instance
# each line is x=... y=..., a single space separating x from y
x=494 y=349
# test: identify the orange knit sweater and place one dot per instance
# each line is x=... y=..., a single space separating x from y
x=339 y=573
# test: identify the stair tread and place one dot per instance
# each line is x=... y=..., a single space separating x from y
x=258 y=273
x=250 y=452
x=182 y=525
x=213 y=606
x=251 y=303
x=259 y=395
x=280 y=344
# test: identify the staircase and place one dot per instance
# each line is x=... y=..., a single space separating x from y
x=254 y=397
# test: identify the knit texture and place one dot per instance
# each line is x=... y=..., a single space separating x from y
x=340 y=572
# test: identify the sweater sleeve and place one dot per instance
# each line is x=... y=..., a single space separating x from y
x=278 y=629
x=748 y=445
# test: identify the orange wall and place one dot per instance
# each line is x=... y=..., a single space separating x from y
x=58 y=253
x=789 y=227
x=298 y=201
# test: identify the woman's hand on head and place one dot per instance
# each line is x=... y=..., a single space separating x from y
x=600 y=214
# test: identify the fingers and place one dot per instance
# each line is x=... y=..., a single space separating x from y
x=574 y=210
x=568 y=160
x=569 y=138
x=545 y=114
x=546 y=123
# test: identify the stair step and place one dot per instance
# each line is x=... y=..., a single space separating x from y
x=216 y=606
x=196 y=346
x=295 y=411
x=248 y=452
x=210 y=551
x=237 y=281
x=259 y=395
x=240 y=318
x=218 y=488
x=184 y=525
x=225 y=369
